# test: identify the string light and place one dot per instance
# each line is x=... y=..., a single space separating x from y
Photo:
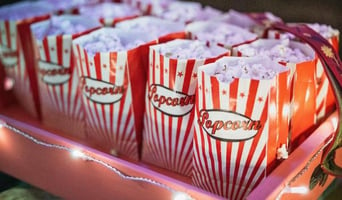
x=8 y=83
x=76 y=153
x=301 y=190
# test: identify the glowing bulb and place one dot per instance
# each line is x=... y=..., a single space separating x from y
x=180 y=196
x=2 y=123
x=297 y=190
x=8 y=83
x=77 y=154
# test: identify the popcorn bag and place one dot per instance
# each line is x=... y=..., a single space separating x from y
x=240 y=124
x=148 y=7
x=170 y=98
x=113 y=88
x=57 y=76
x=220 y=33
x=109 y=13
x=301 y=60
x=325 y=100
x=18 y=51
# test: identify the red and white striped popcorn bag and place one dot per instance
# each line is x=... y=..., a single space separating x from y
x=110 y=13
x=170 y=98
x=221 y=33
x=148 y=7
x=325 y=100
x=18 y=51
x=239 y=125
x=302 y=84
x=113 y=90
x=57 y=75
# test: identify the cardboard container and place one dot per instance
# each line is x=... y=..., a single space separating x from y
x=57 y=76
x=18 y=57
x=302 y=84
x=169 y=116
x=113 y=91
x=239 y=128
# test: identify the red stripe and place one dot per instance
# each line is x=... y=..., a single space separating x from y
x=8 y=34
x=97 y=66
x=172 y=73
x=228 y=152
x=251 y=98
x=112 y=65
x=46 y=50
x=233 y=94
x=175 y=161
x=61 y=97
x=161 y=65
x=186 y=140
x=237 y=169
x=188 y=75
x=59 y=49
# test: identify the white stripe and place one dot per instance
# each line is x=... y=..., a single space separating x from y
x=13 y=34
x=41 y=51
x=66 y=51
x=3 y=33
x=179 y=81
x=52 y=49
x=243 y=88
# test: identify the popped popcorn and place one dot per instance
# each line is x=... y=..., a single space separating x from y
x=152 y=25
x=111 y=40
x=187 y=49
x=109 y=10
x=280 y=51
x=26 y=9
x=246 y=68
x=325 y=30
x=64 y=24
x=219 y=33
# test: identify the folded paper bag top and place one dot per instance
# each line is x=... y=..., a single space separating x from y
x=237 y=123
x=216 y=32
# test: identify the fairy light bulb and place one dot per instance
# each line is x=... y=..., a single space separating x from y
x=180 y=196
x=77 y=154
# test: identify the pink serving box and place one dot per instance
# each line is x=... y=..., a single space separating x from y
x=56 y=171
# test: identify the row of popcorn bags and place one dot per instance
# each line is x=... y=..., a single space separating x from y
x=17 y=51
x=325 y=101
x=56 y=71
x=301 y=61
x=170 y=99
x=113 y=81
x=240 y=123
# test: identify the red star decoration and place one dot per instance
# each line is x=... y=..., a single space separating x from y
x=206 y=90
x=104 y=65
x=180 y=74
x=194 y=75
x=120 y=68
x=151 y=65
x=260 y=99
x=66 y=51
x=242 y=95
x=199 y=87
x=157 y=66
x=224 y=92
x=40 y=47
x=166 y=71
x=52 y=48
x=91 y=63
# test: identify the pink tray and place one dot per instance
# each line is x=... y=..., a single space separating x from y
x=56 y=171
